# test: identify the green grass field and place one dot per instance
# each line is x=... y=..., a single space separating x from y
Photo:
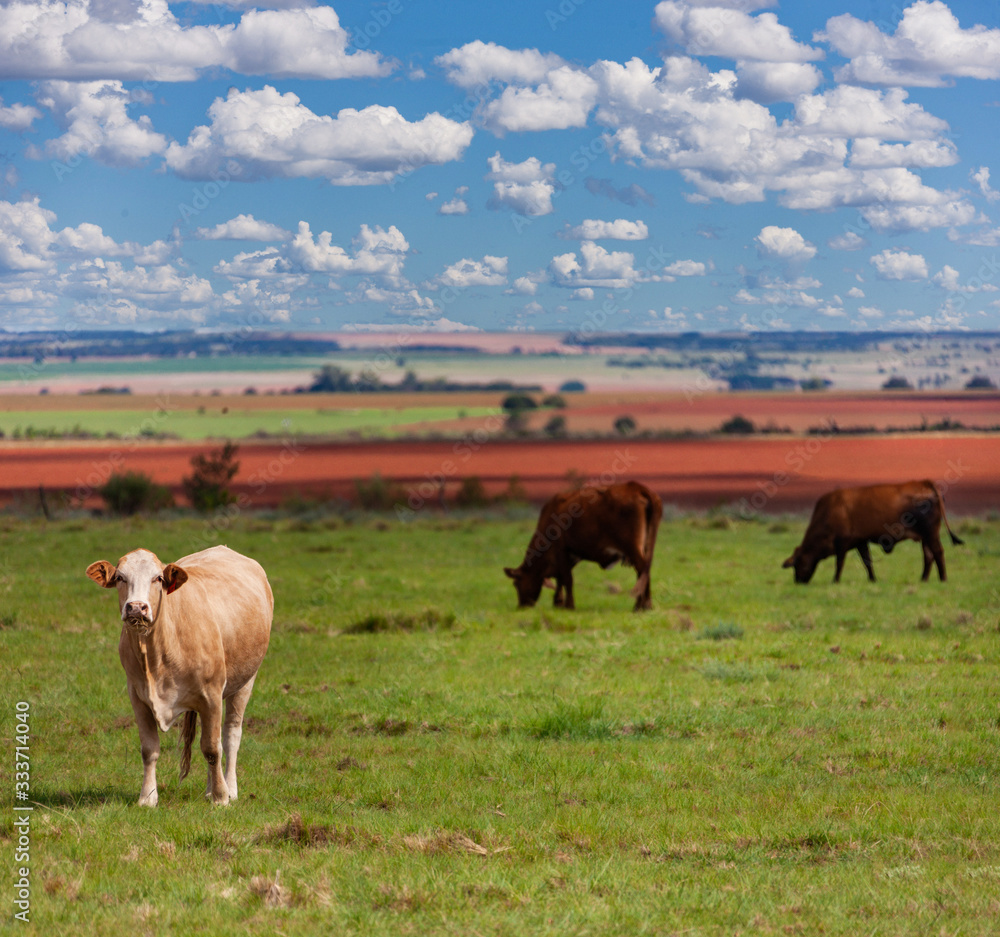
x=235 y=423
x=421 y=758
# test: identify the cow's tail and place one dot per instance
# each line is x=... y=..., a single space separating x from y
x=956 y=540
x=188 y=728
x=653 y=513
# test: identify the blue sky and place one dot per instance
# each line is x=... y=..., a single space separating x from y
x=561 y=165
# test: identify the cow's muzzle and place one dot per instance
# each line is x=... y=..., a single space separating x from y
x=136 y=613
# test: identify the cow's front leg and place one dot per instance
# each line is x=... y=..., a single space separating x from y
x=840 y=563
x=866 y=558
x=232 y=732
x=565 y=578
x=211 y=748
x=149 y=738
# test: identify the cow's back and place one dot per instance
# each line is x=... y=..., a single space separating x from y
x=229 y=591
x=870 y=511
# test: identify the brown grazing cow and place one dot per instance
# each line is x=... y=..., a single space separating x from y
x=604 y=525
x=851 y=518
x=194 y=634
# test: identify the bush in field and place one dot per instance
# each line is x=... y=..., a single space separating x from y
x=128 y=493
x=739 y=425
x=572 y=387
x=897 y=382
x=331 y=379
x=557 y=401
x=471 y=493
x=980 y=382
x=625 y=425
x=516 y=403
x=556 y=426
x=378 y=494
x=514 y=491
x=207 y=486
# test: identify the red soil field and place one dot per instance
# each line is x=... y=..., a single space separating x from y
x=798 y=412
x=769 y=474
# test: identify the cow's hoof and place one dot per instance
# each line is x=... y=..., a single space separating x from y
x=148 y=800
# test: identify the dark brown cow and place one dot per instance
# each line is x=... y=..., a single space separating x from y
x=851 y=518
x=603 y=525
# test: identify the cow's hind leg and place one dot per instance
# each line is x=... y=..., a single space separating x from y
x=641 y=590
x=211 y=748
x=149 y=738
x=866 y=558
x=232 y=732
x=933 y=553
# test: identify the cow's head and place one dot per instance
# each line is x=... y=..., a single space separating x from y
x=141 y=580
x=803 y=563
x=528 y=585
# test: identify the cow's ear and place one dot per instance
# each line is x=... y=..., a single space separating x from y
x=789 y=562
x=102 y=572
x=173 y=577
x=512 y=573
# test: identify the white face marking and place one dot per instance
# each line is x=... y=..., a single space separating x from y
x=138 y=578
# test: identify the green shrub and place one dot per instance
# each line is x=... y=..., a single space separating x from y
x=556 y=426
x=739 y=425
x=515 y=403
x=208 y=486
x=128 y=493
x=471 y=493
x=377 y=494
x=897 y=382
x=625 y=425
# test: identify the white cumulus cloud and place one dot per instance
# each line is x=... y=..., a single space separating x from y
x=621 y=229
x=243 y=228
x=490 y=271
x=899 y=265
x=274 y=135
x=479 y=63
x=526 y=188
x=928 y=46
x=77 y=40
x=784 y=244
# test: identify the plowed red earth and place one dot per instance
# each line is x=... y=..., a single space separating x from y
x=770 y=474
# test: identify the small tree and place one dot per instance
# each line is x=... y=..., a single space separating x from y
x=739 y=425
x=980 y=382
x=208 y=485
x=897 y=382
x=572 y=387
x=331 y=379
x=556 y=426
x=625 y=425
x=556 y=401
x=128 y=493
x=518 y=402
x=471 y=494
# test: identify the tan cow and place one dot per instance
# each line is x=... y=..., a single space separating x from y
x=194 y=634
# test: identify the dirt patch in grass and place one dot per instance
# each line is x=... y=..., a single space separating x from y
x=298 y=832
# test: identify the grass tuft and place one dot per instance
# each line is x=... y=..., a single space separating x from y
x=430 y=619
x=723 y=631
